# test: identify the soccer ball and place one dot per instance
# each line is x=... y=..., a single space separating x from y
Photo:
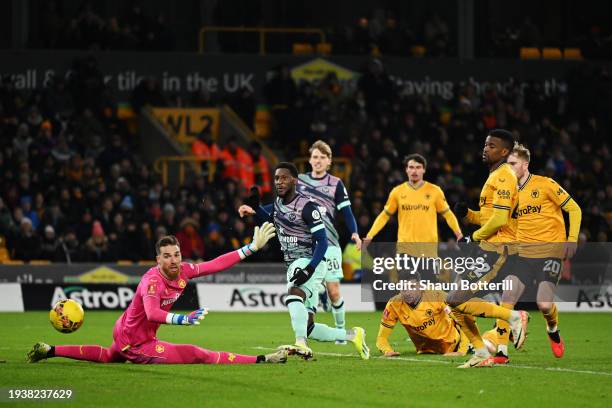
x=67 y=316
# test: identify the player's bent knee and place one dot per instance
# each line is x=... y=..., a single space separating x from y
x=333 y=290
x=293 y=291
x=454 y=299
x=545 y=306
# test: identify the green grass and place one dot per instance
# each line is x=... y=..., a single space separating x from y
x=535 y=378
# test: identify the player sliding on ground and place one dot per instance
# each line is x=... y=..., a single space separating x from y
x=135 y=331
x=303 y=241
x=428 y=321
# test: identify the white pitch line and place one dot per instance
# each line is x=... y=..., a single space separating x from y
x=426 y=360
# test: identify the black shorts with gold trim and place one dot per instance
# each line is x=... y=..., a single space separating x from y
x=535 y=270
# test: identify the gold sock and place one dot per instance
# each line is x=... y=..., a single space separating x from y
x=552 y=317
x=502 y=326
x=481 y=308
x=469 y=328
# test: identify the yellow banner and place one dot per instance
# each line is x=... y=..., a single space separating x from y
x=317 y=69
x=186 y=123
x=103 y=274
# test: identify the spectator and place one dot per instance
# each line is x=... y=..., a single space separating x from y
x=436 y=36
x=50 y=244
x=147 y=93
x=169 y=221
x=192 y=246
x=27 y=242
x=205 y=148
x=96 y=246
x=236 y=163
x=260 y=169
x=22 y=142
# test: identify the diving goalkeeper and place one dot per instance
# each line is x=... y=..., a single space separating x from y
x=135 y=331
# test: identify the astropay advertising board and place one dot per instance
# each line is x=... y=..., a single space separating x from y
x=265 y=297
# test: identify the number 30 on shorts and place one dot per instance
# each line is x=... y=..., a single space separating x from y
x=332 y=264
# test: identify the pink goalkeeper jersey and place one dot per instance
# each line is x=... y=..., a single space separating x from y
x=155 y=296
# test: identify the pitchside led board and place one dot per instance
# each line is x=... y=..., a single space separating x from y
x=186 y=123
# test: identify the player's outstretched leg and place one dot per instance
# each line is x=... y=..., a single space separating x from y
x=297 y=350
x=169 y=353
x=517 y=319
x=356 y=335
x=482 y=357
x=95 y=353
x=40 y=351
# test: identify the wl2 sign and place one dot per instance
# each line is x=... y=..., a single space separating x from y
x=186 y=123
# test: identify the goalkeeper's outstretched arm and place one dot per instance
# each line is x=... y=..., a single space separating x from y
x=261 y=236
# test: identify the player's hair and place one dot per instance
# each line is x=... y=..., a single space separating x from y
x=165 y=241
x=506 y=136
x=522 y=152
x=417 y=158
x=322 y=147
x=289 y=166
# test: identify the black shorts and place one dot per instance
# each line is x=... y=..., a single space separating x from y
x=536 y=270
x=493 y=264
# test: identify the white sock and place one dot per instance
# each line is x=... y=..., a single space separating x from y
x=350 y=334
x=552 y=329
x=482 y=352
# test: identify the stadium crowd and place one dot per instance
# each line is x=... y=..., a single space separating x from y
x=377 y=124
x=385 y=29
x=88 y=29
x=74 y=188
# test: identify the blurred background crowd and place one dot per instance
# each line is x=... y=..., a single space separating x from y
x=352 y=27
x=74 y=188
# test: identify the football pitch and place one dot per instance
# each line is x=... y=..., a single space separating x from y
x=336 y=377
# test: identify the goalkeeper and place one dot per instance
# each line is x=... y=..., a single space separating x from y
x=135 y=331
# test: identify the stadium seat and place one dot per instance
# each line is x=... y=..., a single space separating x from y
x=572 y=53
x=263 y=122
x=12 y=262
x=418 y=50
x=4 y=255
x=530 y=53
x=146 y=263
x=39 y=262
x=324 y=48
x=125 y=262
x=302 y=49
x=551 y=53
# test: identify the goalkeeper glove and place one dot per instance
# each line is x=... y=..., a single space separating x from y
x=253 y=198
x=301 y=275
x=262 y=235
x=461 y=209
x=192 y=318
